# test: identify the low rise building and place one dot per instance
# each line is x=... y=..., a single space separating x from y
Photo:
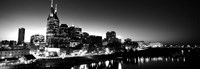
x=13 y=53
x=155 y=44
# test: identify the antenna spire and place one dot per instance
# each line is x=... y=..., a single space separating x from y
x=55 y=8
x=51 y=3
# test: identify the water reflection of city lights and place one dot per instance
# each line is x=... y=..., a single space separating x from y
x=119 y=66
x=135 y=60
x=107 y=63
x=172 y=59
x=154 y=59
x=111 y=61
x=188 y=50
x=184 y=59
x=99 y=63
x=119 y=62
x=93 y=64
x=142 y=60
x=166 y=59
x=83 y=66
x=177 y=59
x=147 y=59
x=182 y=52
x=160 y=58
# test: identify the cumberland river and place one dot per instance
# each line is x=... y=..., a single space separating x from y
x=159 y=58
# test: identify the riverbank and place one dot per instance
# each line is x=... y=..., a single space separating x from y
x=187 y=55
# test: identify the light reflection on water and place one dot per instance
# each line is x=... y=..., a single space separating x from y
x=120 y=66
x=177 y=57
x=118 y=63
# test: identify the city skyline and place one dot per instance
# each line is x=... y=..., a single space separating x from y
x=136 y=20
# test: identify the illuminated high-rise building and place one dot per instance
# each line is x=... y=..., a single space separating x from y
x=36 y=39
x=52 y=26
x=21 y=35
x=74 y=33
x=95 y=40
x=63 y=38
x=110 y=35
x=85 y=38
x=63 y=30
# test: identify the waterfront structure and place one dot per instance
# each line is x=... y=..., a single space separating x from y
x=155 y=44
x=129 y=44
x=141 y=44
x=13 y=53
x=52 y=52
x=21 y=35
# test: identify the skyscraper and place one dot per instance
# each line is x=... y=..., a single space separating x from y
x=36 y=39
x=52 y=26
x=75 y=32
x=111 y=35
x=63 y=36
x=58 y=36
x=63 y=30
x=95 y=40
x=21 y=35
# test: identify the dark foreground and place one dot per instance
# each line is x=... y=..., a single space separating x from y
x=156 y=58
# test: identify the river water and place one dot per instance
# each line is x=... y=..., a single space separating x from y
x=178 y=59
x=137 y=63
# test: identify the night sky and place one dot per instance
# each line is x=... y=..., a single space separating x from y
x=155 y=21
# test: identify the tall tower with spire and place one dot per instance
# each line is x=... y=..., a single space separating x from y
x=52 y=26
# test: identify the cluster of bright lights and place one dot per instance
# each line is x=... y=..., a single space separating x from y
x=182 y=46
x=147 y=59
x=107 y=63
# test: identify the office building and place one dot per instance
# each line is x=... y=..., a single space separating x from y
x=52 y=27
x=36 y=39
x=21 y=35
x=97 y=40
